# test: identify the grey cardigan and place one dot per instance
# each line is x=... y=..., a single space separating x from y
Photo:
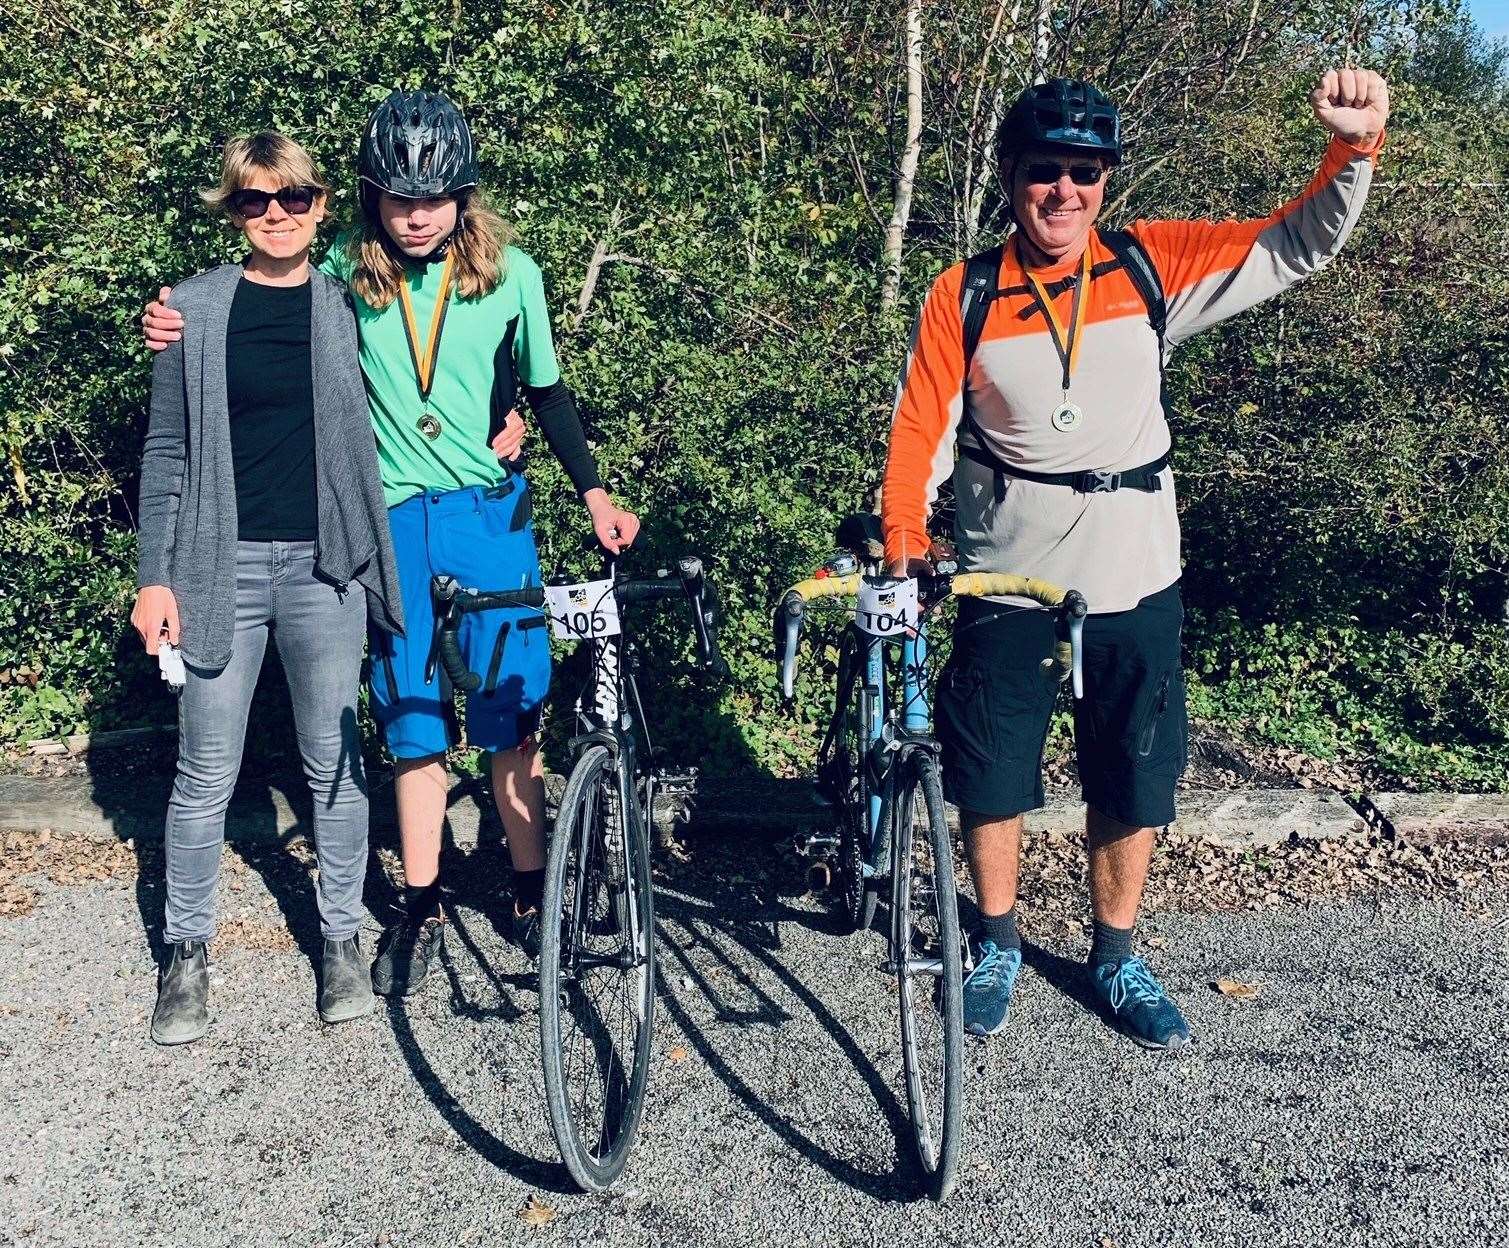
x=188 y=486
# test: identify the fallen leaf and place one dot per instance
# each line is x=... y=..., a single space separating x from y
x=678 y=1054
x=536 y=1212
x=1235 y=988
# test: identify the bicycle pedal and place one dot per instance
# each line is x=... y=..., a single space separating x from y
x=677 y=783
x=817 y=845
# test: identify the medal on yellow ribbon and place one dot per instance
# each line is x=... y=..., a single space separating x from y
x=428 y=423
x=1067 y=415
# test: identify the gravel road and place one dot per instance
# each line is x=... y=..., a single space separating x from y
x=1359 y=1098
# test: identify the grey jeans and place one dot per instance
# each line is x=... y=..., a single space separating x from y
x=319 y=634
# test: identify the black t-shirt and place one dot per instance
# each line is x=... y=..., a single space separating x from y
x=269 y=381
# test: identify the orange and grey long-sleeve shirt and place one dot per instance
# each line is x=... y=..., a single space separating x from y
x=1115 y=548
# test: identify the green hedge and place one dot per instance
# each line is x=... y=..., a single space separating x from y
x=1340 y=452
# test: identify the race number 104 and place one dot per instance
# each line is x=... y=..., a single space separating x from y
x=888 y=609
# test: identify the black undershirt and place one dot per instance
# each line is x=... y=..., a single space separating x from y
x=269 y=382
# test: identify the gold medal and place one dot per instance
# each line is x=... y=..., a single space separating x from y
x=424 y=358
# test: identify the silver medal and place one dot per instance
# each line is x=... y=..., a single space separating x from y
x=1066 y=416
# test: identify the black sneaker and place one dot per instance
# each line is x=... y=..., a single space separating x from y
x=345 y=984
x=183 y=994
x=405 y=954
x=526 y=930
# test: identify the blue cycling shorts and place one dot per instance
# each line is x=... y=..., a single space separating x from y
x=484 y=537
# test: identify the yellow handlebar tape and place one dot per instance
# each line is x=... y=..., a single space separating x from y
x=827 y=586
x=1004 y=584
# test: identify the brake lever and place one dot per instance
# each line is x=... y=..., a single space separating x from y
x=443 y=589
x=694 y=582
x=1077 y=608
x=788 y=633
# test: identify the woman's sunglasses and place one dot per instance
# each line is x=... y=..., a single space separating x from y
x=249 y=204
x=1087 y=174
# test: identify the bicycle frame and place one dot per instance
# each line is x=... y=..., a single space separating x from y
x=915 y=718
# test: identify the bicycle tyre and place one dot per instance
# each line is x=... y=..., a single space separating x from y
x=925 y=921
x=598 y=902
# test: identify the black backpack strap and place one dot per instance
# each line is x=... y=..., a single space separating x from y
x=1138 y=264
x=1132 y=256
x=979 y=289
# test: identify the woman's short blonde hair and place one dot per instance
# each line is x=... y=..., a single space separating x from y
x=267 y=152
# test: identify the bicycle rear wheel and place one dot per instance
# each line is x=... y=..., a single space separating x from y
x=929 y=968
x=597 y=973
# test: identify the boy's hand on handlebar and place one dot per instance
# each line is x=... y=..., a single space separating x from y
x=616 y=529
x=510 y=441
x=155 y=616
x=160 y=324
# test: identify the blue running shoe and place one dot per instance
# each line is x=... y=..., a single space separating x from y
x=988 y=988
x=1132 y=997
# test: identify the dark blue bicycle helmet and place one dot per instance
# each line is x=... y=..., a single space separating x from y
x=1062 y=112
x=416 y=144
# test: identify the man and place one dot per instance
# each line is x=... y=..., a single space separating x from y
x=1063 y=474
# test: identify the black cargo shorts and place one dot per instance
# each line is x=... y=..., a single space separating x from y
x=1131 y=729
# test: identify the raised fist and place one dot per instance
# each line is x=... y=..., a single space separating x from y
x=1352 y=104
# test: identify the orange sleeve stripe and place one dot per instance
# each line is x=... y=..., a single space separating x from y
x=924 y=416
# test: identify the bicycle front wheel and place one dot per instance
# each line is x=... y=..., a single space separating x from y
x=597 y=972
x=929 y=968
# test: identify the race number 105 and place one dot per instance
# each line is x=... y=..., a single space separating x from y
x=583 y=612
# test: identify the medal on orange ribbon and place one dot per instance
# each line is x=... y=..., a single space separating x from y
x=423 y=360
x=1068 y=414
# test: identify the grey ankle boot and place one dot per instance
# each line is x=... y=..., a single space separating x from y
x=345 y=981
x=183 y=994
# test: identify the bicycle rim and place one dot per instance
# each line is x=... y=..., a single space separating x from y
x=597 y=974
x=929 y=970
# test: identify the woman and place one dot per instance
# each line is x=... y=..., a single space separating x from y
x=453 y=324
x=262 y=513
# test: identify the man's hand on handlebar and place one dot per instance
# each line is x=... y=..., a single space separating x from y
x=911 y=567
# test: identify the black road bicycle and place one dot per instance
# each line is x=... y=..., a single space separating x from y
x=597 y=950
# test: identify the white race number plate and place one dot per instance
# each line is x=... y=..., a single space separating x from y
x=887 y=610
x=583 y=612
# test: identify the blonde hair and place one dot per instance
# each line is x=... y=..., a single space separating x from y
x=477 y=244
x=267 y=152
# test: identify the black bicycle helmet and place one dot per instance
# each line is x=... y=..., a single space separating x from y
x=417 y=144
x=1062 y=112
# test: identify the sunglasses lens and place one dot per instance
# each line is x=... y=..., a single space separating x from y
x=250 y=204
x=297 y=199
x=1045 y=171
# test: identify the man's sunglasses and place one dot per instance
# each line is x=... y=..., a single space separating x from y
x=1044 y=171
x=249 y=204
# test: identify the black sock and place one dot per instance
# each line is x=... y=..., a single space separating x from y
x=422 y=901
x=1110 y=944
x=1001 y=929
x=528 y=888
